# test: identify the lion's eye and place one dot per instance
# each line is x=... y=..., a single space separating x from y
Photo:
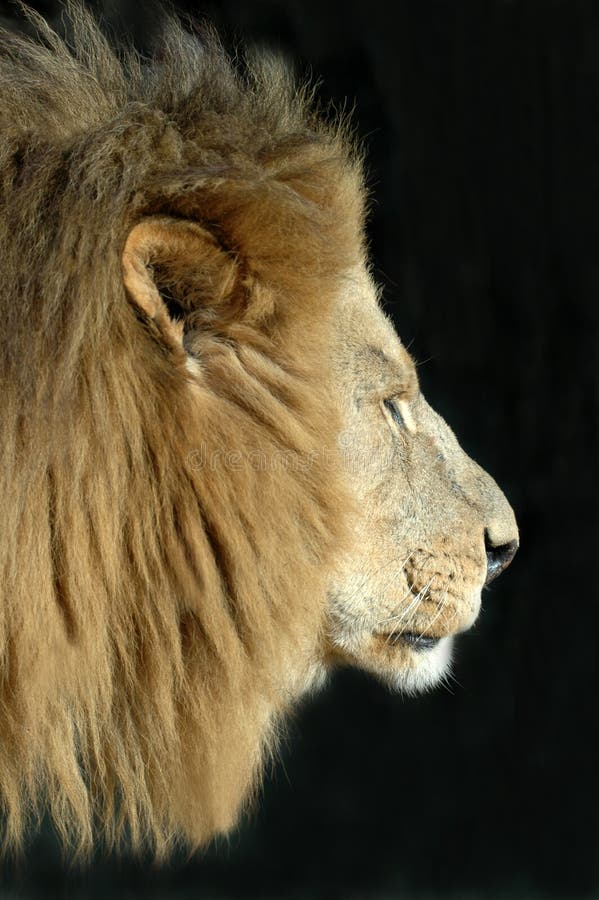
x=392 y=407
x=398 y=414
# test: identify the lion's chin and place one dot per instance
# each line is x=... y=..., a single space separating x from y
x=409 y=667
x=420 y=669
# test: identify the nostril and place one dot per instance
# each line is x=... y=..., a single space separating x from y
x=498 y=558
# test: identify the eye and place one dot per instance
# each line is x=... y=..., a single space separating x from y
x=392 y=407
x=399 y=414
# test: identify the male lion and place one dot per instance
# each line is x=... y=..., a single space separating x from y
x=219 y=477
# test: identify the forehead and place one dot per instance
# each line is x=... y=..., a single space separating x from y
x=367 y=343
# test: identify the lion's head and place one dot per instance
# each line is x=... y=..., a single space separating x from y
x=430 y=527
x=218 y=475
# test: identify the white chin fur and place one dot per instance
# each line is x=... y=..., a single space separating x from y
x=427 y=669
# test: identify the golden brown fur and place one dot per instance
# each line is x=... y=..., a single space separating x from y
x=152 y=610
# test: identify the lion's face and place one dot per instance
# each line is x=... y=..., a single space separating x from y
x=431 y=527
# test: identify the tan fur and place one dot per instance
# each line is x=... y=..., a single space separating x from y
x=205 y=501
x=425 y=512
x=158 y=616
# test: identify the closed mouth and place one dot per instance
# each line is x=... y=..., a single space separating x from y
x=417 y=642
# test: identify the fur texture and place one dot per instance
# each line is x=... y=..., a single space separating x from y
x=431 y=526
x=156 y=614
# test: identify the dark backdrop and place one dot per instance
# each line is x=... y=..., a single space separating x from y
x=480 y=118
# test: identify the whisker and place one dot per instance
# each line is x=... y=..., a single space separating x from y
x=444 y=683
x=409 y=613
x=402 y=615
x=440 y=606
x=363 y=619
x=414 y=608
x=414 y=602
x=366 y=576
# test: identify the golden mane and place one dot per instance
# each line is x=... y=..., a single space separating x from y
x=158 y=599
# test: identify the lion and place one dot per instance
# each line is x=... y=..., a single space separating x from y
x=220 y=479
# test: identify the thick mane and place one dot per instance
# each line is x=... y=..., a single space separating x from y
x=165 y=537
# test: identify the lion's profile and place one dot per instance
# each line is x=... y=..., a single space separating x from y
x=180 y=246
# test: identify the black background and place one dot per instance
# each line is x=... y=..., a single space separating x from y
x=481 y=121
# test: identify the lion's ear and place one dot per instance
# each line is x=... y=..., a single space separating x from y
x=172 y=268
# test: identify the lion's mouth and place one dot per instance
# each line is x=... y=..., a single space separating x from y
x=417 y=642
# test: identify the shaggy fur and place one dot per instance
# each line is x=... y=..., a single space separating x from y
x=156 y=614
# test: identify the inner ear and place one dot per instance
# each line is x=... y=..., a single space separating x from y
x=174 y=307
x=173 y=268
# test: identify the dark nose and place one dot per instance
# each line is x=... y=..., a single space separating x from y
x=498 y=558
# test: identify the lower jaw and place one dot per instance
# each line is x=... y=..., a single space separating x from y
x=414 y=671
x=380 y=653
